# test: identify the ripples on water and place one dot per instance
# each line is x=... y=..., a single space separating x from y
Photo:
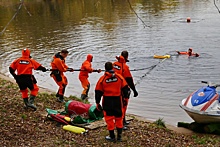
x=105 y=36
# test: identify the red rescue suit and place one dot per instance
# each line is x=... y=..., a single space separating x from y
x=122 y=68
x=85 y=69
x=111 y=86
x=24 y=78
x=58 y=68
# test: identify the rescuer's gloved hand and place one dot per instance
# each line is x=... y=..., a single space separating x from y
x=125 y=102
x=99 y=70
x=16 y=78
x=135 y=93
x=43 y=69
x=70 y=69
x=99 y=107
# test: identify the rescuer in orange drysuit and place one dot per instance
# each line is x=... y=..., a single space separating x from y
x=58 y=68
x=111 y=86
x=122 y=68
x=189 y=53
x=24 y=78
x=85 y=69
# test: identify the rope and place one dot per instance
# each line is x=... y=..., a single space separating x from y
x=148 y=72
x=27 y=10
x=137 y=14
x=142 y=68
x=104 y=69
x=150 y=69
x=216 y=7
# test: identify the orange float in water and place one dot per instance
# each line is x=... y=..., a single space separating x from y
x=188 y=19
x=182 y=53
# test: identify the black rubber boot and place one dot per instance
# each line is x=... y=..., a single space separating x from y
x=119 y=131
x=125 y=122
x=87 y=91
x=57 y=95
x=111 y=137
x=28 y=105
x=124 y=128
x=84 y=97
x=60 y=99
x=31 y=101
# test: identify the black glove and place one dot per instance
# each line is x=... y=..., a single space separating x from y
x=99 y=107
x=44 y=69
x=97 y=70
x=135 y=93
x=70 y=69
x=125 y=103
x=15 y=77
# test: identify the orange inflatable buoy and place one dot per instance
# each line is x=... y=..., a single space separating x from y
x=188 y=19
x=182 y=53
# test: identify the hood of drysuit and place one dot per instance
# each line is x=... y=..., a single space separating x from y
x=57 y=55
x=26 y=53
x=110 y=73
x=190 y=49
x=89 y=57
x=121 y=59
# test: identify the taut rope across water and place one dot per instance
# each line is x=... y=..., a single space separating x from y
x=16 y=13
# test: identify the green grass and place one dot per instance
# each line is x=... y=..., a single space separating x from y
x=160 y=123
x=23 y=116
x=202 y=140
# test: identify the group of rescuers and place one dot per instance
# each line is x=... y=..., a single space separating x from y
x=113 y=87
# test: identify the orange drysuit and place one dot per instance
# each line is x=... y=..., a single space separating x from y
x=122 y=68
x=58 y=68
x=85 y=69
x=111 y=86
x=24 y=78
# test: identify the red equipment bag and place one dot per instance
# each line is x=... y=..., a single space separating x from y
x=77 y=108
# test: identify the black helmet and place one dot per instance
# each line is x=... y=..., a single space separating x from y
x=125 y=55
x=108 y=66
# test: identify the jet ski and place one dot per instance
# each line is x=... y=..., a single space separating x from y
x=203 y=104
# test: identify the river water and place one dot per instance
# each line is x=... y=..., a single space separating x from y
x=104 y=28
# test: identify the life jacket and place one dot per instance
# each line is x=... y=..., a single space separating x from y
x=58 y=63
x=24 y=65
x=86 y=67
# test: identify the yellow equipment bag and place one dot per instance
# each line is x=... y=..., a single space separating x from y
x=74 y=129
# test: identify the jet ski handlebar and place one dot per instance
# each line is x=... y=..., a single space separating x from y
x=211 y=84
